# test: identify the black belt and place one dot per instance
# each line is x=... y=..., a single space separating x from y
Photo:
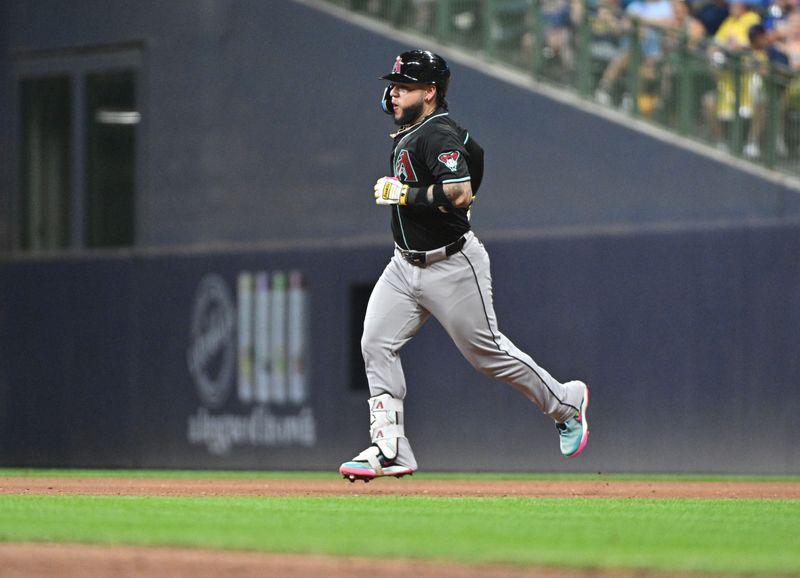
x=425 y=258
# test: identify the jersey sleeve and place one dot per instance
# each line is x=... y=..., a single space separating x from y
x=474 y=162
x=447 y=157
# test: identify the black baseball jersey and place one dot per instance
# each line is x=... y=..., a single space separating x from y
x=436 y=150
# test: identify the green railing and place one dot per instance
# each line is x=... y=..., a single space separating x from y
x=732 y=101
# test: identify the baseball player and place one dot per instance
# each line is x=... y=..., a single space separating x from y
x=439 y=269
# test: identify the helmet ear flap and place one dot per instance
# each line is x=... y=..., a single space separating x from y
x=386 y=101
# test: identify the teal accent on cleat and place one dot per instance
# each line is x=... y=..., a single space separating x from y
x=363 y=471
x=370 y=464
x=574 y=432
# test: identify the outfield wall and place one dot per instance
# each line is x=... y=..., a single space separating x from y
x=688 y=339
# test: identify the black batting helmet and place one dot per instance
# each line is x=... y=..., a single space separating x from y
x=419 y=67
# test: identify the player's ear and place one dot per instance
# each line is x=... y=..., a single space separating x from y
x=430 y=93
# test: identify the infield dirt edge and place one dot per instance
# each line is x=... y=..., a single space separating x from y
x=121 y=486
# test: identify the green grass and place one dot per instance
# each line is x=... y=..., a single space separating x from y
x=758 y=537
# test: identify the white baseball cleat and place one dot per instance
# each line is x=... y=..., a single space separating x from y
x=386 y=430
x=371 y=464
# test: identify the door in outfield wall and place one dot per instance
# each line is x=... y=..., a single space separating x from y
x=78 y=142
x=110 y=161
x=44 y=206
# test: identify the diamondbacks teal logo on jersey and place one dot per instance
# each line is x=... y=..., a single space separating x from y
x=403 y=169
x=450 y=160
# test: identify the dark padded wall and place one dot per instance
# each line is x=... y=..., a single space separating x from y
x=688 y=341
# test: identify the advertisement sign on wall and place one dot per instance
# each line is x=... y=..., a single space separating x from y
x=251 y=343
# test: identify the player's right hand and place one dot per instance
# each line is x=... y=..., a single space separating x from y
x=390 y=191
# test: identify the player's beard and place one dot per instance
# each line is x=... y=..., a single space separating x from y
x=410 y=114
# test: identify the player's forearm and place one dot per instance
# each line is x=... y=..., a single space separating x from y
x=459 y=195
x=391 y=191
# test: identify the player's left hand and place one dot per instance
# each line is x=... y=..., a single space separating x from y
x=390 y=191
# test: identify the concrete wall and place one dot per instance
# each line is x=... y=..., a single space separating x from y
x=260 y=122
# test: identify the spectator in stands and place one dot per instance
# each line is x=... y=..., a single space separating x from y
x=652 y=17
x=607 y=26
x=686 y=28
x=791 y=42
x=776 y=18
x=763 y=53
x=686 y=24
x=733 y=32
x=764 y=47
x=558 y=32
x=712 y=13
x=791 y=47
x=732 y=38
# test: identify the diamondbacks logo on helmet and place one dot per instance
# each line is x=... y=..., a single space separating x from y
x=450 y=160
x=403 y=169
x=398 y=63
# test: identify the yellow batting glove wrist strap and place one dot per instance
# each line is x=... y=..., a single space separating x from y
x=387 y=190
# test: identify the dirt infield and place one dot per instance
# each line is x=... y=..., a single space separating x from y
x=408 y=486
x=72 y=560
x=80 y=561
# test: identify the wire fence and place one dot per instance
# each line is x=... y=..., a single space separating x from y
x=671 y=72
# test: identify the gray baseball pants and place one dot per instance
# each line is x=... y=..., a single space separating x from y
x=457 y=291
